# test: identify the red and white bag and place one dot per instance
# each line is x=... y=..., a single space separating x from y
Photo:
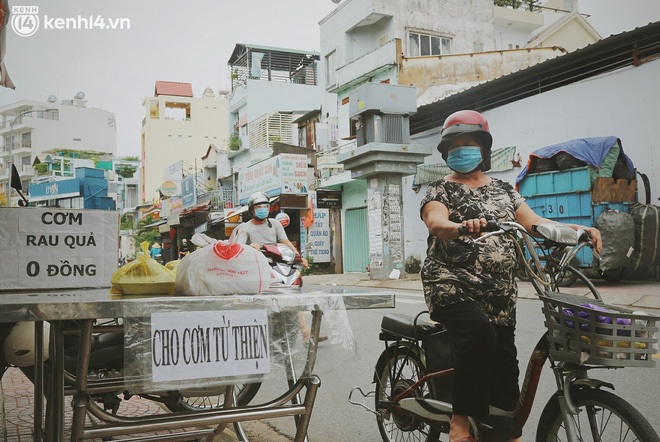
x=222 y=269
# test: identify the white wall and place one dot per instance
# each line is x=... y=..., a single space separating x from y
x=167 y=141
x=272 y=96
x=451 y=18
x=624 y=103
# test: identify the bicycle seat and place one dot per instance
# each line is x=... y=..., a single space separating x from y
x=399 y=325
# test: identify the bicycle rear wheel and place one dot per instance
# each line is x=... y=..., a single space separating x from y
x=603 y=417
x=399 y=372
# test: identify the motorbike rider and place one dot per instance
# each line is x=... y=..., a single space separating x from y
x=261 y=229
x=469 y=287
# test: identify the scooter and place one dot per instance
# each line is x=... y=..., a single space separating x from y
x=285 y=265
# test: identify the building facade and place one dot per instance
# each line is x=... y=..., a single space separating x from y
x=271 y=88
x=178 y=127
x=440 y=48
x=50 y=126
x=88 y=190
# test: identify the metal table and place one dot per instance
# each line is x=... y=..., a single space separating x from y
x=61 y=306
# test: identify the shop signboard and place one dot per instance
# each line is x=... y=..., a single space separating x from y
x=281 y=174
x=174 y=174
x=168 y=188
x=176 y=205
x=165 y=208
x=188 y=194
x=57 y=248
x=319 y=233
x=328 y=199
x=55 y=190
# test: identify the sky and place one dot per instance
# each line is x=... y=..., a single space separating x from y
x=187 y=42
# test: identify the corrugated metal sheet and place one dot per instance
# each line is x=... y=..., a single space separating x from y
x=618 y=51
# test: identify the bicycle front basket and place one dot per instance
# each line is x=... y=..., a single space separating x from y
x=590 y=332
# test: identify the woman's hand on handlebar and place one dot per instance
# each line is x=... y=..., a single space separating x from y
x=473 y=227
x=596 y=239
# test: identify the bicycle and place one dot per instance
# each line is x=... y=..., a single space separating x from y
x=413 y=375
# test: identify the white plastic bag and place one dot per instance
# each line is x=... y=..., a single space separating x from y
x=222 y=269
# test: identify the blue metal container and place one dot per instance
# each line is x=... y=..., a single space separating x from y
x=565 y=196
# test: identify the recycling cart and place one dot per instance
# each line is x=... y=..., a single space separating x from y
x=576 y=181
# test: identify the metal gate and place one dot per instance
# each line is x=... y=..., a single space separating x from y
x=356 y=244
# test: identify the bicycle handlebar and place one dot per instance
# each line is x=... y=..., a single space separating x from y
x=491 y=226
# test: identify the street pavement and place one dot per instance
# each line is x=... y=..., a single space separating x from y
x=16 y=391
x=633 y=294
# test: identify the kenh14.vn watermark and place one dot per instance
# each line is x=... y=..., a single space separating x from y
x=25 y=21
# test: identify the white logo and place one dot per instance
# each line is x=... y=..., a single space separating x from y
x=51 y=189
x=24 y=20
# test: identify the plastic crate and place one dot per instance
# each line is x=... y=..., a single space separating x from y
x=574 y=208
x=548 y=183
x=618 y=337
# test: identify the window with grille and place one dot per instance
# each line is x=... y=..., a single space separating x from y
x=420 y=45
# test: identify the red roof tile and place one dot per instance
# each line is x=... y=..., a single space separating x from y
x=173 y=88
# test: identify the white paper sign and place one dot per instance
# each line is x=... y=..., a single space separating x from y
x=213 y=344
x=57 y=248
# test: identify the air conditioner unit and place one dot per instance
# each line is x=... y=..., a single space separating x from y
x=384 y=128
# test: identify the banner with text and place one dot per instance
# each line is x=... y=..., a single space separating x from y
x=284 y=173
x=319 y=233
x=209 y=344
x=57 y=248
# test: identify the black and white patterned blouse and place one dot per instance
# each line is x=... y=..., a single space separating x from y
x=459 y=270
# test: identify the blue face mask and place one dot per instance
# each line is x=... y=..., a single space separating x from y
x=261 y=213
x=464 y=159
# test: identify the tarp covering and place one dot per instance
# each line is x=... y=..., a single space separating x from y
x=590 y=150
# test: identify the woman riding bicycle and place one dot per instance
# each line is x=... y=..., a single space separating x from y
x=470 y=288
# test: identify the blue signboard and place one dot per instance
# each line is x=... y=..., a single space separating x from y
x=55 y=190
x=188 y=194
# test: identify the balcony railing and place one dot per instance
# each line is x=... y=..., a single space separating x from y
x=528 y=5
x=25 y=169
x=17 y=145
x=262 y=63
x=222 y=199
x=326 y=161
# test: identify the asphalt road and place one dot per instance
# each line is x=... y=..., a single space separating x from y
x=334 y=419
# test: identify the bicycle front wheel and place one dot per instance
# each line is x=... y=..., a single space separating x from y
x=602 y=416
x=400 y=372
